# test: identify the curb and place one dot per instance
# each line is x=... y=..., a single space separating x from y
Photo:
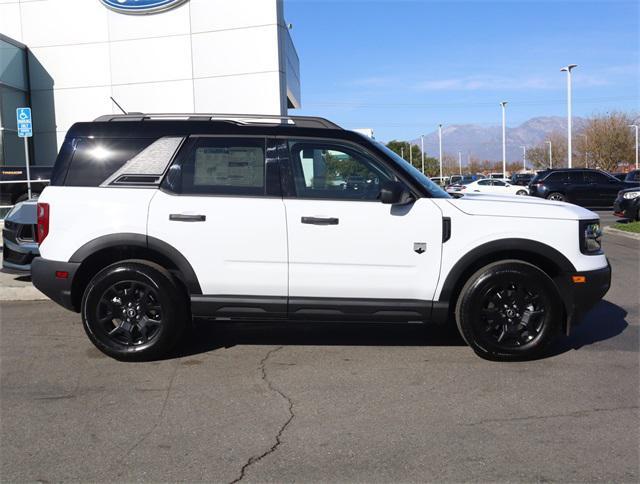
x=629 y=235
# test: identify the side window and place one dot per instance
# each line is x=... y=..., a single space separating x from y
x=498 y=183
x=219 y=166
x=334 y=172
x=95 y=159
x=485 y=182
x=576 y=177
x=558 y=176
x=595 y=177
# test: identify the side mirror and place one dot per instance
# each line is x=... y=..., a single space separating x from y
x=393 y=192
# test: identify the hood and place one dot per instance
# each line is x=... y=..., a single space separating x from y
x=520 y=207
x=632 y=189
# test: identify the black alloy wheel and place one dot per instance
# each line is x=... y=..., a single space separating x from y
x=134 y=310
x=508 y=310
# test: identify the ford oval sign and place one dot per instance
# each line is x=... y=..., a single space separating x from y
x=141 y=6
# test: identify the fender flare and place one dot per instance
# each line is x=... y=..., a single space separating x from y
x=146 y=242
x=496 y=246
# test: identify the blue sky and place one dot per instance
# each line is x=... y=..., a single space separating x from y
x=401 y=67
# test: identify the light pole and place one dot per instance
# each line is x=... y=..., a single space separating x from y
x=460 y=161
x=636 y=127
x=568 y=69
x=440 y=148
x=422 y=148
x=524 y=158
x=504 y=139
x=410 y=153
x=402 y=152
x=550 y=155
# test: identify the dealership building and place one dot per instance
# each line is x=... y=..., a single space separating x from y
x=68 y=58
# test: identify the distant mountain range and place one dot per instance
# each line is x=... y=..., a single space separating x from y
x=485 y=142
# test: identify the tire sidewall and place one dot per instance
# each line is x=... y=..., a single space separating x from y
x=161 y=281
x=466 y=309
x=562 y=198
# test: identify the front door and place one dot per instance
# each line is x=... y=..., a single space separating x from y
x=351 y=256
x=217 y=208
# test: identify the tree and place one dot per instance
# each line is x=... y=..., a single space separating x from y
x=401 y=148
x=606 y=141
x=538 y=156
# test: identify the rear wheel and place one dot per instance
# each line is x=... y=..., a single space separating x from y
x=557 y=197
x=133 y=310
x=508 y=310
x=522 y=192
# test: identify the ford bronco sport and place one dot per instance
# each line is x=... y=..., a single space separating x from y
x=151 y=220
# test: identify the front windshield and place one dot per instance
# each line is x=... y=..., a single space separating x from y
x=434 y=189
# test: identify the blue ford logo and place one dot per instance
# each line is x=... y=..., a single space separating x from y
x=141 y=6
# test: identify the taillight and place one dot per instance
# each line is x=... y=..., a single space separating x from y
x=43 y=222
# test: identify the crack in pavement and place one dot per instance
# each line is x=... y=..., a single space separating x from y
x=577 y=413
x=256 y=458
x=158 y=420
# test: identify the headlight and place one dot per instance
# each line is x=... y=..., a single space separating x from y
x=590 y=234
x=631 y=195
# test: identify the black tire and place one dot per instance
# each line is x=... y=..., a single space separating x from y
x=522 y=192
x=508 y=310
x=557 y=197
x=133 y=310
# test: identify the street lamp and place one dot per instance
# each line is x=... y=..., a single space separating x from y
x=636 y=126
x=550 y=155
x=422 y=148
x=524 y=158
x=410 y=153
x=568 y=69
x=460 y=161
x=440 y=148
x=402 y=152
x=504 y=139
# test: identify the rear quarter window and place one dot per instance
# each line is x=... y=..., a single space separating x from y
x=95 y=160
x=559 y=176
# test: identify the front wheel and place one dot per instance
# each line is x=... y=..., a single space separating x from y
x=557 y=197
x=522 y=192
x=134 y=310
x=508 y=310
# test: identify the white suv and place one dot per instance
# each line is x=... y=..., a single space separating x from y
x=152 y=220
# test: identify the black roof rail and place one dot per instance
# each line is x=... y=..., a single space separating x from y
x=298 y=121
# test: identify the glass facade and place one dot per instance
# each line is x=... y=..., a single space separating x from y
x=14 y=93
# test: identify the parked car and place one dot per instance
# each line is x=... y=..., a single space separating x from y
x=228 y=218
x=620 y=176
x=19 y=245
x=582 y=186
x=456 y=186
x=494 y=186
x=627 y=204
x=521 y=179
x=633 y=176
x=12 y=193
x=499 y=175
x=443 y=182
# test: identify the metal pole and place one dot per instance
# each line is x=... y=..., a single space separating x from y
x=569 y=149
x=440 y=148
x=26 y=158
x=636 y=127
x=460 y=160
x=524 y=158
x=410 y=153
x=422 y=148
x=402 y=152
x=550 y=155
x=504 y=139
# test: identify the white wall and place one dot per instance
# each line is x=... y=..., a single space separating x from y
x=202 y=56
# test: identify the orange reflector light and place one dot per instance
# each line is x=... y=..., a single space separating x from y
x=62 y=274
x=579 y=279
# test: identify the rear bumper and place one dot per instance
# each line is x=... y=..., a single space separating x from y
x=17 y=257
x=47 y=274
x=579 y=298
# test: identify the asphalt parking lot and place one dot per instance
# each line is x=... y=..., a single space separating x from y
x=309 y=403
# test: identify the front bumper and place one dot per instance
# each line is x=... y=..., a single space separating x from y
x=580 y=297
x=626 y=208
x=49 y=278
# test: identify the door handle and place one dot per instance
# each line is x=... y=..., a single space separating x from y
x=182 y=217
x=320 y=220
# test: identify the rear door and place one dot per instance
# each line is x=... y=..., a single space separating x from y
x=603 y=188
x=351 y=256
x=220 y=205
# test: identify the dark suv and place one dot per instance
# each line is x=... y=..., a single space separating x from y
x=581 y=186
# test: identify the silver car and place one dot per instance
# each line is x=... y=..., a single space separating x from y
x=19 y=245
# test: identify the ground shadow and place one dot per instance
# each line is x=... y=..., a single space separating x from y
x=603 y=322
